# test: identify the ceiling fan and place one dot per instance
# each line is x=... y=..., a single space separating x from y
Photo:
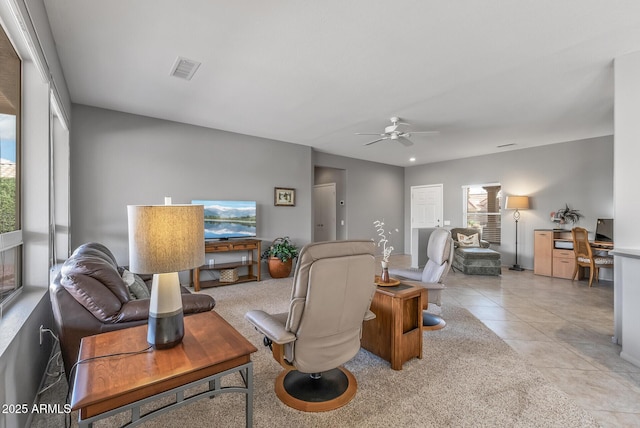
x=392 y=132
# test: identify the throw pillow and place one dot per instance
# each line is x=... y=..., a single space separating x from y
x=469 y=241
x=137 y=287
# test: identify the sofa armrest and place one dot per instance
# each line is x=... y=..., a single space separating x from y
x=270 y=327
x=194 y=303
x=138 y=310
x=134 y=310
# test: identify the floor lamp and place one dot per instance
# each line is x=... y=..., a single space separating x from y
x=517 y=203
x=163 y=240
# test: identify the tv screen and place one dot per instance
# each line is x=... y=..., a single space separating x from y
x=228 y=219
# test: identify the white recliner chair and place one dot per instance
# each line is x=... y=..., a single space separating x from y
x=333 y=287
x=431 y=278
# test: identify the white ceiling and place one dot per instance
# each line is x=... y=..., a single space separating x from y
x=482 y=73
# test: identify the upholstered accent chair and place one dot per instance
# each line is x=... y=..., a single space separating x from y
x=585 y=256
x=472 y=254
x=432 y=276
x=333 y=286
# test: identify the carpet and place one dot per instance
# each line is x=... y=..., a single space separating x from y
x=468 y=377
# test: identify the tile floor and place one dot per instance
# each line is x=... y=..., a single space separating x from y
x=563 y=328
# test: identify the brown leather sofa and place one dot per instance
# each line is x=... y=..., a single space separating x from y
x=89 y=296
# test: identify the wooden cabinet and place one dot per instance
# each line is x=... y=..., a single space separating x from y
x=543 y=252
x=564 y=263
x=395 y=334
x=550 y=258
x=250 y=262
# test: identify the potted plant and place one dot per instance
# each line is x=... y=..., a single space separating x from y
x=279 y=257
x=566 y=215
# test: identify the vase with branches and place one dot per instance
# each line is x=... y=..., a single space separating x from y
x=386 y=249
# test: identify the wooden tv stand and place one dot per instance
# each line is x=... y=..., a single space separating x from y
x=252 y=263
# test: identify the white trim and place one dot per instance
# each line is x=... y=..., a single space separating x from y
x=10 y=240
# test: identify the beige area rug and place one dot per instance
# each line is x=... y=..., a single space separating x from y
x=468 y=377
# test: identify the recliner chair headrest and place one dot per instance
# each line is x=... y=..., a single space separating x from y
x=439 y=246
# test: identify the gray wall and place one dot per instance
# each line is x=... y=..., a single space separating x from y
x=119 y=159
x=374 y=191
x=579 y=173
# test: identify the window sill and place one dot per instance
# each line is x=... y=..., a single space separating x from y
x=16 y=315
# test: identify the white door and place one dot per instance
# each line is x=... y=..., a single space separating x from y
x=426 y=212
x=426 y=206
x=324 y=209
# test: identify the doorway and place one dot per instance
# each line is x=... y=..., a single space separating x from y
x=324 y=210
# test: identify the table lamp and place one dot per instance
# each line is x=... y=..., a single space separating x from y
x=517 y=203
x=163 y=240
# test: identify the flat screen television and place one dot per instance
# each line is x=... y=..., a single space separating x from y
x=604 y=230
x=228 y=219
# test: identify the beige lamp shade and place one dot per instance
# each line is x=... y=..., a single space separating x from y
x=165 y=238
x=517 y=203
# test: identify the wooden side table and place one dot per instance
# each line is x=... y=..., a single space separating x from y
x=396 y=333
x=211 y=349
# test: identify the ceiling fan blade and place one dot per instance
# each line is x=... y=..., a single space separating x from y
x=375 y=141
x=424 y=132
x=373 y=133
x=405 y=142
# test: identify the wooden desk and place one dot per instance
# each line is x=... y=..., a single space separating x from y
x=396 y=333
x=211 y=349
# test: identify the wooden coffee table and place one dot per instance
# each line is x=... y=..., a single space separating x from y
x=396 y=332
x=210 y=350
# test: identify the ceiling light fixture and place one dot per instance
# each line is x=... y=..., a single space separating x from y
x=184 y=68
x=412 y=159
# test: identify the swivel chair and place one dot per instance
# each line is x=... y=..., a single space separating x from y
x=333 y=287
x=440 y=254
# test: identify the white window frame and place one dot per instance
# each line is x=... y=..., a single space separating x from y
x=465 y=213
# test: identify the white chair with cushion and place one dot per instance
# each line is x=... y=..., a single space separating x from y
x=585 y=256
x=431 y=278
x=333 y=286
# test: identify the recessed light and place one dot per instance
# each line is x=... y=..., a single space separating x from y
x=412 y=159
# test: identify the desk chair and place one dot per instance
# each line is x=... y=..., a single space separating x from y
x=585 y=256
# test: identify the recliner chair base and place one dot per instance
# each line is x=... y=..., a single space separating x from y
x=333 y=389
x=432 y=322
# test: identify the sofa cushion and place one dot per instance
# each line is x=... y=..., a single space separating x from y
x=478 y=253
x=472 y=240
x=91 y=276
x=137 y=287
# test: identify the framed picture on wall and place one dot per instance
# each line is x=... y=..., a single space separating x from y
x=284 y=197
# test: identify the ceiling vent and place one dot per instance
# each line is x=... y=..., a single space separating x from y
x=506 y=145
x=184 y=68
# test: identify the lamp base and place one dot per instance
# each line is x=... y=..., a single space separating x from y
x=166 y=318
x=165 y=331
x=516 y=267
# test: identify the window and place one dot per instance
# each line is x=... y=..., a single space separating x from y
x=10 y=232
x=482 y=210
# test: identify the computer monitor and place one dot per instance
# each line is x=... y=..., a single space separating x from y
x=604 y=230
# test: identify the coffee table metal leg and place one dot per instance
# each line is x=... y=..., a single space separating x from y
x=249 y=384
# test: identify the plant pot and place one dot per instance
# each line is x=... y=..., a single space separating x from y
x=278 y=268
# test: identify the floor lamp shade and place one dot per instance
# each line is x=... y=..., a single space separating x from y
x=163 y=240
x=517 y=203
